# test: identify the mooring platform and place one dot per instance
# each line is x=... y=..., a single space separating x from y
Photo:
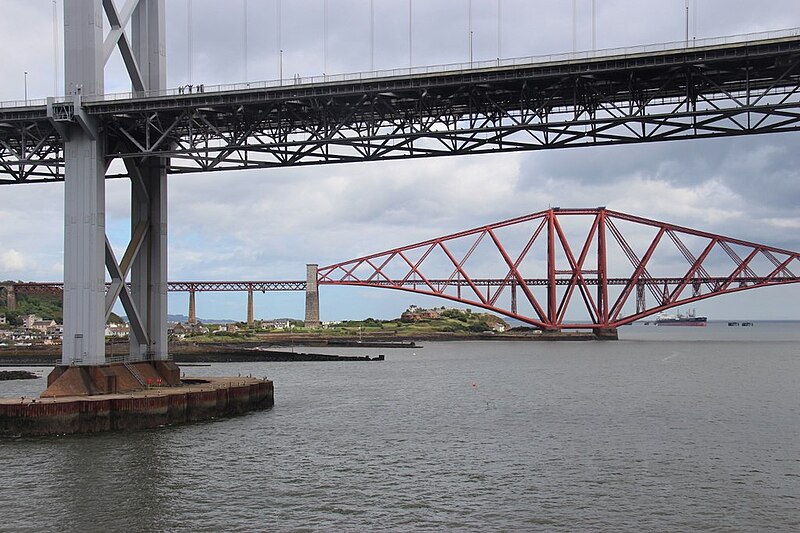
x=155 y=404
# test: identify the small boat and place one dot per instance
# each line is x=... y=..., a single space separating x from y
x=733 y=323
x=747 y=323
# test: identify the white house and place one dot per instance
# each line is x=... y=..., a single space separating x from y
x=117 y=330
x=42 y=325
x=29 y=320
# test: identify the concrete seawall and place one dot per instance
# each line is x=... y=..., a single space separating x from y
x=197 y=399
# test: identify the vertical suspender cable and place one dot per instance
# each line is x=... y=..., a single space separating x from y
x=55 y=49
x=279 y=38
x=244 y=38
x=189 y=35
x=574 y=25
x=499 y=30
x=410 y=47
x=469 y=29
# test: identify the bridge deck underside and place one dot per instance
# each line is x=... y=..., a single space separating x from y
x=735 y=89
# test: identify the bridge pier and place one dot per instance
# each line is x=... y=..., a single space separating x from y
x=250 y=318
x=192 y=306
x=312 y=297
x=606 y=334
x=11 y=297
x=514 y=297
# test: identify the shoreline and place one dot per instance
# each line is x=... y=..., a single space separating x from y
x=218 y=356
x=273 y=348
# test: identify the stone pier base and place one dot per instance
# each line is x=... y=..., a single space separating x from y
x=110 y=378
x=196 y=399
x=609 y=334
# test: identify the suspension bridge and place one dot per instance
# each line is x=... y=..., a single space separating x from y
x=731 y=86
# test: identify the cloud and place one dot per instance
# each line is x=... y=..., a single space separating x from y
x=13 y=261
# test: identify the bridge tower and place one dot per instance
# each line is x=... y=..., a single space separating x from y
x=312 y=296
x=250 y=314
x=87 y=251
x=11 y=297
x=192 y=306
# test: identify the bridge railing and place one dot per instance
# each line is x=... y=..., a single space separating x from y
x=450 y=68
x=30 y=102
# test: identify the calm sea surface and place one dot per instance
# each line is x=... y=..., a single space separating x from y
x=670 y=429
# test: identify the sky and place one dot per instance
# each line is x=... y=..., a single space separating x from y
x=267 y=224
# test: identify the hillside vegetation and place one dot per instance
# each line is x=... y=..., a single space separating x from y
x=49 y=306
x=448 y=321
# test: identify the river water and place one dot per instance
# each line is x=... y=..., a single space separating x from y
x=669 y=429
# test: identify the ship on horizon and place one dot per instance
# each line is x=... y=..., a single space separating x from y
x=680 y=319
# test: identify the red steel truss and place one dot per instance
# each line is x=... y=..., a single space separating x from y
x=573 y=268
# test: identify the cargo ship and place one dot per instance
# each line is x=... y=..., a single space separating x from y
x=687 y=319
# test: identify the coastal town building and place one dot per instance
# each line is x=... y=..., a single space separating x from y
x=117 y=330
x=226 y=328
x=43 y=325
x=29 y=320
x=180 y=330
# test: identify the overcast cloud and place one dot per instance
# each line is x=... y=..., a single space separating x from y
x=269 y=224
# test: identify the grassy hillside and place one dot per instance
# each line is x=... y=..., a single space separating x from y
x=46 y=305
x=450 y=321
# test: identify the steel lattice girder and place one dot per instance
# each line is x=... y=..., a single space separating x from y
x=235 y=286
x=30 y=150
x=734 y=89
x=186 y=286
x=594 y=267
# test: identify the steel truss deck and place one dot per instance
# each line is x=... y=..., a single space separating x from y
x=712 y=91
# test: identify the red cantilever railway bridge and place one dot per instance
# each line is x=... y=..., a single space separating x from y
x=573 y=268
x=555 y=269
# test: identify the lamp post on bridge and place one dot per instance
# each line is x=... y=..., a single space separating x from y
x=26 y=87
